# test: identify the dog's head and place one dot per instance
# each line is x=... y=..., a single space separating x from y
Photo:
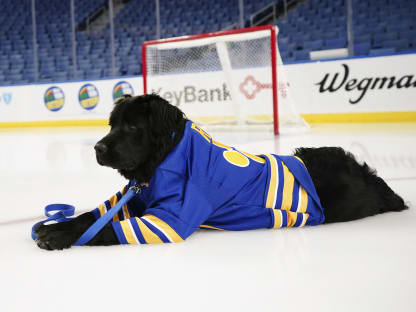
x=144 y=129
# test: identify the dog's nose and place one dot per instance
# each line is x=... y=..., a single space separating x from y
x=100 y=148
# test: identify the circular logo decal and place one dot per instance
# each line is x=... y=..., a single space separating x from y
x=122 y=88
x=54 y=98
x=88 y=96
x=236 y=158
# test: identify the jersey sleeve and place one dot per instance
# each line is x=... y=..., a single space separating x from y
x=287 y=218
x=178 y=209
x=135 y=207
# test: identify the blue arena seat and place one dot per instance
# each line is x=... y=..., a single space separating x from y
x=313 y=25
x=399 y=44
x=336 y=43
x=361 y=49
x=314 y=45
x=378 y=52
x=301 y=55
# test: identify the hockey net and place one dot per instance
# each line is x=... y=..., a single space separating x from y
x=227 y=80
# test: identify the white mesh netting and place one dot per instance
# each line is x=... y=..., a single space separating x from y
x=224 y=81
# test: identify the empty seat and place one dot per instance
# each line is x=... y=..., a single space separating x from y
x=335 y=43
x=301 y=55
x=385 y=51
x=400 y=44
x=361 y=49
x=380 y=37
x=314 y=45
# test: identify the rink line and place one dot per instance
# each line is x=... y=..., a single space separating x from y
x=378 y=117
x=54 y=123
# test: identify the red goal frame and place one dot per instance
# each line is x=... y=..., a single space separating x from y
x=273 y=49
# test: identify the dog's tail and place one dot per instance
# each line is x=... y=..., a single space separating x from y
x=347 y=189
x=390 y=201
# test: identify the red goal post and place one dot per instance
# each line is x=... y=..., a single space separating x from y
x=223 y=56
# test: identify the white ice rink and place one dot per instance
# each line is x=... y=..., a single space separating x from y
x=365 y=265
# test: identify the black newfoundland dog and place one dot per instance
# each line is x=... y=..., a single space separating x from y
x=146 y=129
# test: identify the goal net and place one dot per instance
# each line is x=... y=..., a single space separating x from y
x=229 y=79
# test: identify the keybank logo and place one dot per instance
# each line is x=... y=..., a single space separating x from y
x=342 y=81
x=192 y=94
x=6 y=98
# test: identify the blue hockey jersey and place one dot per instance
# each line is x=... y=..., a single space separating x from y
x=205 y=184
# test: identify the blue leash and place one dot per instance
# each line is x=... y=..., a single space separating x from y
x=64 y=211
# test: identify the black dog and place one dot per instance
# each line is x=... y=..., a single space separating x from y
x=145 y=129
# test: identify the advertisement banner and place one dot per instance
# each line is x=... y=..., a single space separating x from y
x=351 y=86
x=377 y=84
x=83 y=100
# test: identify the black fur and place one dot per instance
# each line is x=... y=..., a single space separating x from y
x=145 y=129
x=347 y=190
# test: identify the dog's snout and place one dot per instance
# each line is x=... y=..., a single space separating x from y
x=100 y=148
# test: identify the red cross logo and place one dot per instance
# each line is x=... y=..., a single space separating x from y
x=250 y=87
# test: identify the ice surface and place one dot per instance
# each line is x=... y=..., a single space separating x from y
x=365 y=265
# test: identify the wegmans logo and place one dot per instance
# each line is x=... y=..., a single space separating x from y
x=192 y=94
x=342 y=81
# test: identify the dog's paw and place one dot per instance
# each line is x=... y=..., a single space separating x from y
x=55 y=236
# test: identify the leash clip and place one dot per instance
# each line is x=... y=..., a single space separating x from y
x=137 y=188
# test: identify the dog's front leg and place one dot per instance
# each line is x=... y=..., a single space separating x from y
x=65 y=234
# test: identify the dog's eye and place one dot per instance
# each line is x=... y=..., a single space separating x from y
x=131 y=128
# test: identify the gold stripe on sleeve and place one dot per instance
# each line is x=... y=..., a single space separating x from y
x=148 y=235
x=305 y=218
x=113 y=201
x=164 y=228
x=291 y=218
x=287 y=188
x=298 y=158
x=210 y=227
x=128 y=233
x=126 y=212
x=277 y=218
x=271 y=194
x=220 y=144
x=102 y=209
x=254 y=157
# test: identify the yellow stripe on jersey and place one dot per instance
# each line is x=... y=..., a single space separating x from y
x=305 y=218
x=128 y=232
x=303 y=200
x=126 y=212
x=291 y=218
x=165 y=228
x=210 y=227
x=254 y=157
x=220 y=144
x=205 y=135
x=148 y=235
x=277 y=218
x=102 y=209
x=287 y=188
x=298 y=158
x=113 y=201
x=271 y=194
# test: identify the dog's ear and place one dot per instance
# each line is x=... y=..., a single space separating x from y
x=166 y=116
x=122 y=98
